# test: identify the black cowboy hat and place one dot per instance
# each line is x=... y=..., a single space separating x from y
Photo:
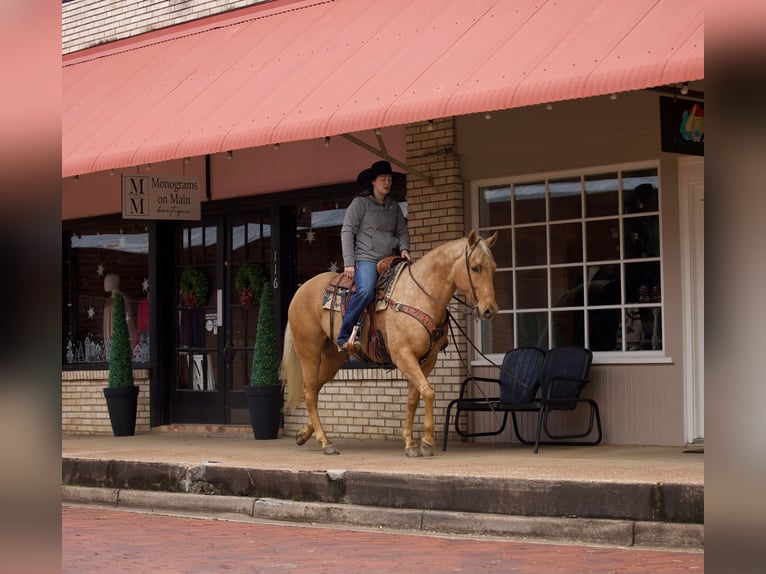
x=382 y=167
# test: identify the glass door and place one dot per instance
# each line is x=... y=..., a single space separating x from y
x=219 y=265
x=247 y=267
x=198 y=395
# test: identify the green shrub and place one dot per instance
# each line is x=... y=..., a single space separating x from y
x=120 y=355
x=265 y=369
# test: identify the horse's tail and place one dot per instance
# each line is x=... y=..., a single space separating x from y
x=291 y=372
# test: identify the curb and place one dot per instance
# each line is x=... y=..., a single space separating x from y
x=674 y=536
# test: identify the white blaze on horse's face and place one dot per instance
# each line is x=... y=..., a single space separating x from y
x=481 y=267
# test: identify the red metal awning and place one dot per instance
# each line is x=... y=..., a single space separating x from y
x=288 y=71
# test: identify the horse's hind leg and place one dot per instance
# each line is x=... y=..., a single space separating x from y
x=330 y=362
x=410 y=446
x=304 y=435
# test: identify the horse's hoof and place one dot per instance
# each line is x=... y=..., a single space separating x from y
x=330 y=449
x=412 y=451
x=427 y=449
x=300 y=440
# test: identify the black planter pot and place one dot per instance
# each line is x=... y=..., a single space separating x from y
x=122 y=403
x=265 y=405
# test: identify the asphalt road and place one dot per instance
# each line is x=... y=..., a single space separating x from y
x=97 y=540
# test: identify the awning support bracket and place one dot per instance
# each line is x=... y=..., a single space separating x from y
x=383 y=153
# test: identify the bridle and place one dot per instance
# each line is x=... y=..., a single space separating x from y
x=474 y=297
x=474 y=305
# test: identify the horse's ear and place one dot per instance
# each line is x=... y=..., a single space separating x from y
x=490 y=241
x=472 y=237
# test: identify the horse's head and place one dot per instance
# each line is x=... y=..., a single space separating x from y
x=475 y=275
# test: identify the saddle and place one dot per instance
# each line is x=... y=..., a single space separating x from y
x=338 y=291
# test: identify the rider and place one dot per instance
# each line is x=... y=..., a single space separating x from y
x=373 y=228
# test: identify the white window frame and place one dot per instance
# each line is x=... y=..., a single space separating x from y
x=599 y=357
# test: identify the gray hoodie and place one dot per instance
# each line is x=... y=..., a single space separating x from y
x=372 y=231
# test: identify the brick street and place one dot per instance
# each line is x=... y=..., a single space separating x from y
x=98 y=540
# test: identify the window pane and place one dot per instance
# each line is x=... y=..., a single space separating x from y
x=642 y=237
x=602 y=329
x=504 y=289
x=529 y=202
x=532 y=289
x=568 y=328
x=642 y=282
x=604 y=285
x=502 y=250
x=639 y=191
x=494 y=206
x=566 y=286
x=566 y=243
x=643 y=329
x=566 y=199
x=601 y=195
x=603 y=239
x=318 y=236
x=497 y=334
x=531 y=248
x=533 y=330
x=634 y=330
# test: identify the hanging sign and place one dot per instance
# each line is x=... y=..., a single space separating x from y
x=160 y=197
x=682 y=124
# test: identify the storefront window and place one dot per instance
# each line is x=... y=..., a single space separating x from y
x=579 y=261
x=97 y=259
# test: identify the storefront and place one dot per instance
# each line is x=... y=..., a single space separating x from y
x=588 y=202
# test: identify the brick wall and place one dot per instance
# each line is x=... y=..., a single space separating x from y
x=371 y=403
x=88 y=23
x=83 y=406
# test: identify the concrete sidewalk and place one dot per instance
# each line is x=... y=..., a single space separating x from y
x=648 y=496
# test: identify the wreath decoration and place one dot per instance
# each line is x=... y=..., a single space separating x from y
x=249 y=282
x=194 y=286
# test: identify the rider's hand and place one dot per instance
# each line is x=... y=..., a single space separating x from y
x=406 y=255
x=348 y=271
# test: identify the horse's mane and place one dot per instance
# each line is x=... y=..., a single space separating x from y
x=440 y=250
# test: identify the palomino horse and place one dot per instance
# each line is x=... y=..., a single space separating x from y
x=311 y=358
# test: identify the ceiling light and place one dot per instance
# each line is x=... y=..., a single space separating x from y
x=327 y=141
x=430 y=125
x=229 y=154
x=685 y=88
x=487 y=115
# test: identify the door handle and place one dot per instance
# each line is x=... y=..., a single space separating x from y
x=229 y=352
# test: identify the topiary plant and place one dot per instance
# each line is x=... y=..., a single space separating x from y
x=265 y=370
x=120 y=356
x=194 y=286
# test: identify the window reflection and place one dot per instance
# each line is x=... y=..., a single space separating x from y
x=95 y=261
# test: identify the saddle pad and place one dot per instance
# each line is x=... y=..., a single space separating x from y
x=337 y=291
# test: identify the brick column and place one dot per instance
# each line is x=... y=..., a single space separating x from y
x=436 y=215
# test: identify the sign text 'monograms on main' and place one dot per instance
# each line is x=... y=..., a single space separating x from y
x=160 y=197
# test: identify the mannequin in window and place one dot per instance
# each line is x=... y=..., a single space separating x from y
x=112 y=285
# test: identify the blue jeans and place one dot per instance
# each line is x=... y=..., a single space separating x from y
x=365 y=277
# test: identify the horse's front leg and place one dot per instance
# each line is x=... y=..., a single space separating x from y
x=419 y=387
